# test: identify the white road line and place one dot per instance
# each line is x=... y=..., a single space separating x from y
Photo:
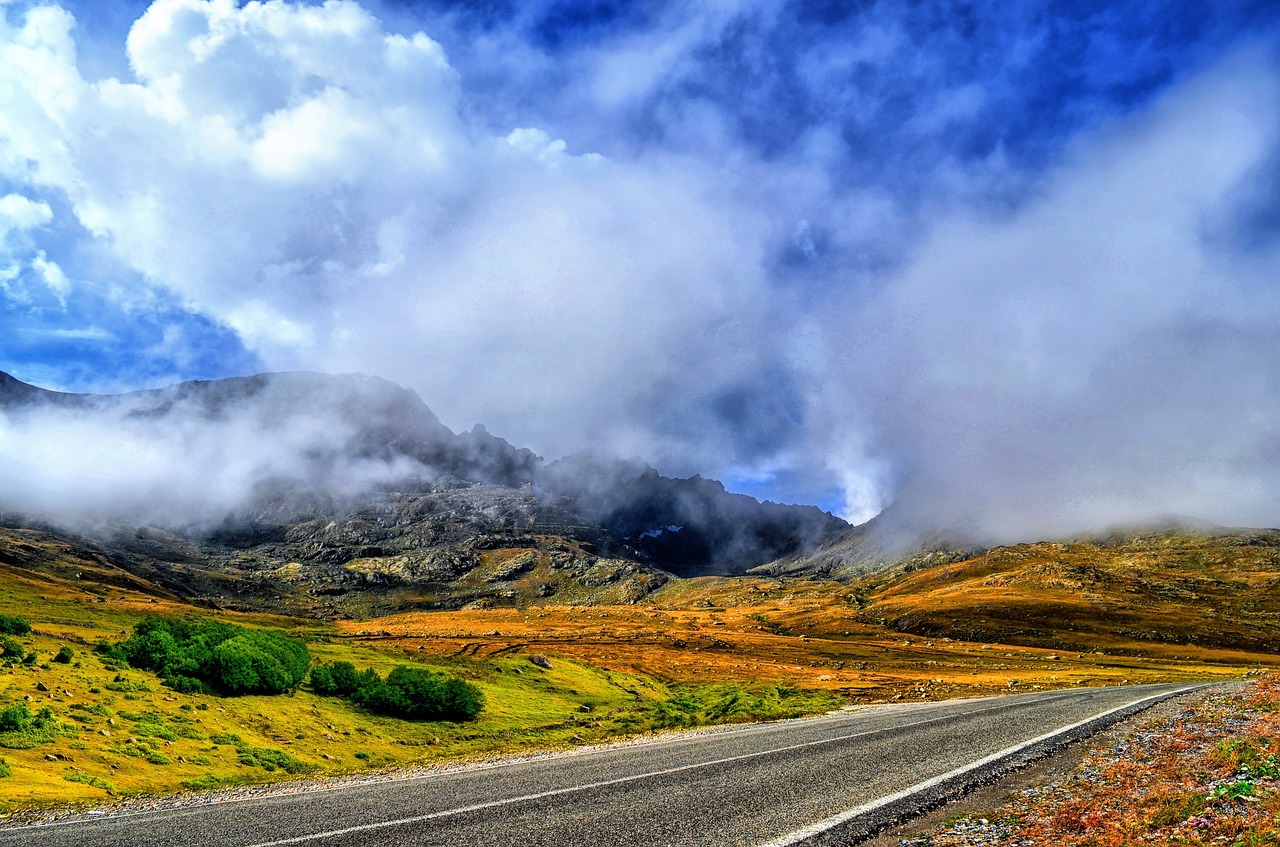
x=446 y=813
x=693 y=736
x=805 y=833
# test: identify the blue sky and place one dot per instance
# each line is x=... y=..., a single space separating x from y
x=840 y=253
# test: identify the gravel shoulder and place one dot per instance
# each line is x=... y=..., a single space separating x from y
x=1159 y=776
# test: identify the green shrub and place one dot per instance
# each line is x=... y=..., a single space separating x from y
x=64 y=655
x=340 y=679
x=190 y=732
x=322 y=680
x=15 y=625
x=127 y=685
x=21 y=730
x=15 y=718
x=5 y=770
x=155 y=730
x=11 y=649
x=407 y=692
x=264 y=662
x=195 y=655
x=270 y=759
x=187 y=684
x=421 y=694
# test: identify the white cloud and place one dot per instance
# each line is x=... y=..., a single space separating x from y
x=313 y=182
x=53 y=276
x=19 y=213
x=329 y=191
x=1092 y=358
x=190 y=466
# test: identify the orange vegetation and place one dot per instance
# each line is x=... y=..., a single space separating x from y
x=805 y=633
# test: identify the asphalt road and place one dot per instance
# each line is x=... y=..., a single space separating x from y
x=760 y=784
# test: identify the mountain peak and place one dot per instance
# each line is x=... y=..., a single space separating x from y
x=218 y=450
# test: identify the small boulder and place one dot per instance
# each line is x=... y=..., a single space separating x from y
x=541 y=661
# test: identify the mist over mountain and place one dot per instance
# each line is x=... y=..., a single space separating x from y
x=1011 y=268
x=247 y=461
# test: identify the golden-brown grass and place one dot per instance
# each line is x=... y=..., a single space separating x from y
x=1169 y=595
x=799 y=632
x=695 y=651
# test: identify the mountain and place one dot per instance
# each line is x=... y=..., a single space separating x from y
x=891 y=540
x=692 y=525
x=365 y=418
x=296 y=489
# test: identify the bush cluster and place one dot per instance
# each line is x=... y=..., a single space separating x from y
x=407 y=692
x=12 y=650
x=20 y=729
x=15 y=625
x=193 y=655
x=15 y=718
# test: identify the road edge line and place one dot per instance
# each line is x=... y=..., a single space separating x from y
x=868 y=819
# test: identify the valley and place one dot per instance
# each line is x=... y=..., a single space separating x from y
x=588 y=600
x=692 y=652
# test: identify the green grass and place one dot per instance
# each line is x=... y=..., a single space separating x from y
x=85 y=779
x=141 y=737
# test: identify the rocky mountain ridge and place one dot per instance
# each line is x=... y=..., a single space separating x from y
x=364 y=488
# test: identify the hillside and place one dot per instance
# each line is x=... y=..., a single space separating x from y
x=692 y=652
x=1213 y=586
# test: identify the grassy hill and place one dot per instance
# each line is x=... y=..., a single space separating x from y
x=115 y=731
x=1212 y=588
x=690 y=652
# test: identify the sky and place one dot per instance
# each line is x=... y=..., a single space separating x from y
x=1010 y=265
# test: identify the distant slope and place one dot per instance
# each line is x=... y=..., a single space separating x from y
x=887 y=542
x=474 y=546
x=1212 y=587
x=691 y=526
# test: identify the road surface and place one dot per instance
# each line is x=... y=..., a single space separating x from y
x=775 y=784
